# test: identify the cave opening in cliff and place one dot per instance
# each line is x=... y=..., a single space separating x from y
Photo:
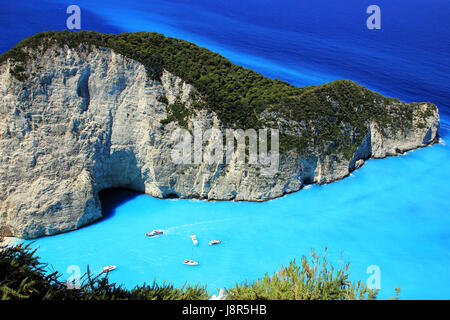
x=308 y=180
x=111 y=198
x=171 y=196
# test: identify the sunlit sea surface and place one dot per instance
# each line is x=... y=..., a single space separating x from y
x=392 y=213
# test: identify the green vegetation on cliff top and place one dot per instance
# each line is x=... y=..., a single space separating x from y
x=240 y=97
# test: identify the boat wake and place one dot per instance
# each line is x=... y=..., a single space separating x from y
x=190 y=225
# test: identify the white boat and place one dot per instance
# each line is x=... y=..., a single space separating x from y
x=154 y=233
x=190 y=262
x=212 y=242
x=108 y=268
x=194 y=239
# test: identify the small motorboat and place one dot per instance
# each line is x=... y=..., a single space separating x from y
x=213 y=242
x=190 y=262
x=194 y=239
x=154 y=233
x=108 y=269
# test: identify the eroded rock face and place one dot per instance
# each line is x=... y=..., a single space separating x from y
x=87 y=121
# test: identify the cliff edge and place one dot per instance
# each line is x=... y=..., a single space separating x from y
x=81 y=117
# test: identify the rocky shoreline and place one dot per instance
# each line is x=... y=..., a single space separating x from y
x=91 y=120
x=8 y=241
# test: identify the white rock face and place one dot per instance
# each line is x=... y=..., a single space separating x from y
x=359 y=163
x=90 y=121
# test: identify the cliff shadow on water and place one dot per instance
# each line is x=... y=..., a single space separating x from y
x=112 y=198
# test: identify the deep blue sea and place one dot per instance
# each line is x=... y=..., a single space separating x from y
x=393 y=213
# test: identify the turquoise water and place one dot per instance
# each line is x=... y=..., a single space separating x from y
x=393 y=213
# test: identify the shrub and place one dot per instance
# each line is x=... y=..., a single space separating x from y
x=311 y=280
x=22 y=276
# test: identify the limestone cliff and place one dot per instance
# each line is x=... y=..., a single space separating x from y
x=87 y=120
